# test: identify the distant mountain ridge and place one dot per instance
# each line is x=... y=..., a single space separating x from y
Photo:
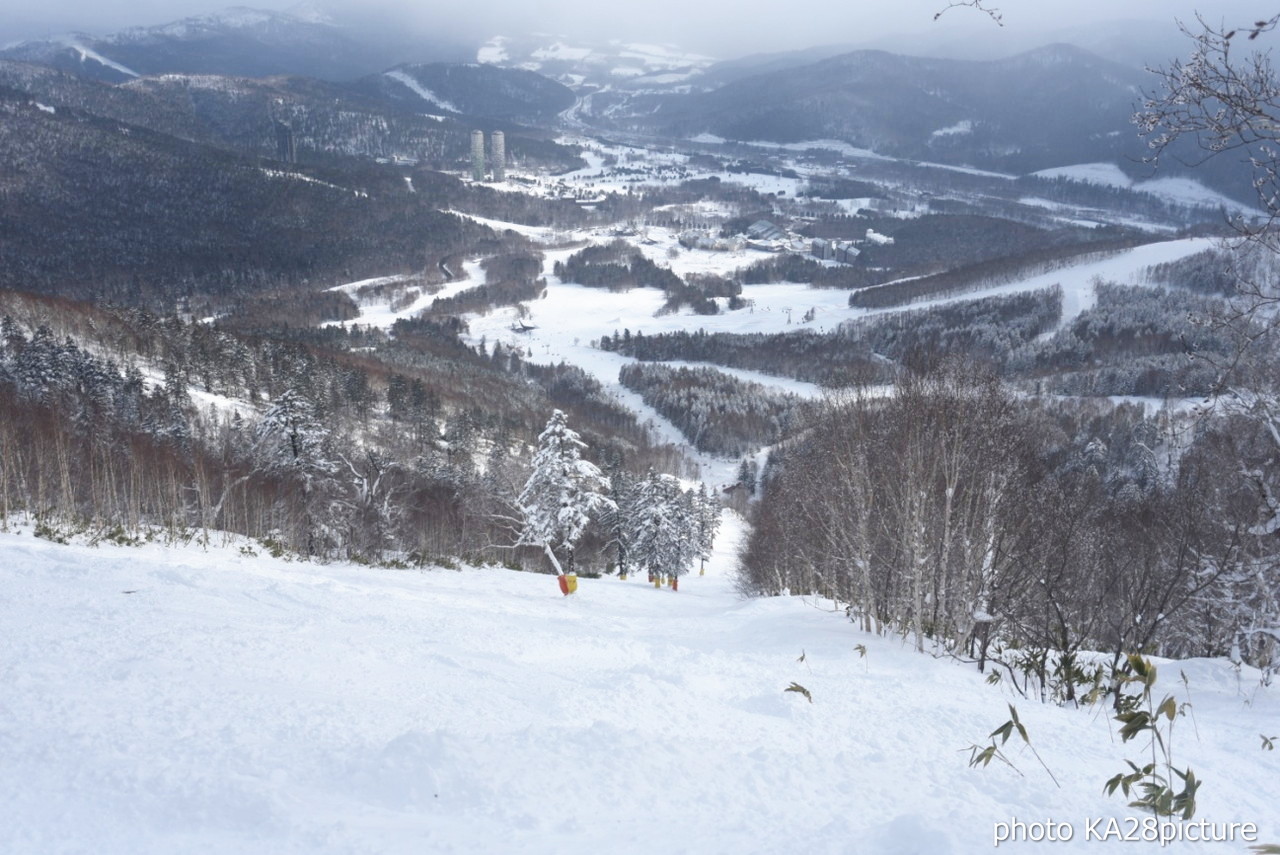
x=238 y=41
x=1048 y=107
x=327 y=119
x=242 y=44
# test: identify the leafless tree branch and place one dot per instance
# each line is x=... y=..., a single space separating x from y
x=1223 y=102
x=981 y=5
x=1226 y=101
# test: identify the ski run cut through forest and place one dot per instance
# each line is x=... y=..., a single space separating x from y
x=608 y=449
x=184 y=699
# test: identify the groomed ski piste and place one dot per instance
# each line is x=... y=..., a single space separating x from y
x=178 y=699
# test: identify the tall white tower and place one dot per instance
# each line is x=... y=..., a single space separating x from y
x=499 y=143
x=477 y=155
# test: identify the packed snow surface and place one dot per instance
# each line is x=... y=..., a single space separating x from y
x=174 y=700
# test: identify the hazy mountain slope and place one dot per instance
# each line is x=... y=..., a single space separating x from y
x=237 y=41
x=134 y=105
x=241 y=113
x=730 y=70
x=93 y=206
x=1046 y=107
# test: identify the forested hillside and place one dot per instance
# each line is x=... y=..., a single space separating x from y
x=354 y=445
x=1026 y=532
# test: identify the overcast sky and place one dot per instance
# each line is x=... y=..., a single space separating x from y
x=719 y=27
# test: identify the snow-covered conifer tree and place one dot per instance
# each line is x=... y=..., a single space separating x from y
x=620 y=521
x=290 y=438
x=291 y=442
x=35 y=367
x=664 y=540
x=707 y=513
x=562 y=494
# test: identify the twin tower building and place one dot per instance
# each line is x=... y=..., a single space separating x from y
x=497 y=155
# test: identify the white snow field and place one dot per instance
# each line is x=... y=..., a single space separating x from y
x=1179 y=191
x=175 y=700
x=570 y=319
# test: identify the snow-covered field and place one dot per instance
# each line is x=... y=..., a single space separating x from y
x=172 y=700
x=1178 y=191
x=570 y=319
x=1077 y=280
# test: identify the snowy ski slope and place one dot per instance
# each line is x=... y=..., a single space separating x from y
x=162 y=700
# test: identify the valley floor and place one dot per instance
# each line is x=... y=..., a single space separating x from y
x=175 y=700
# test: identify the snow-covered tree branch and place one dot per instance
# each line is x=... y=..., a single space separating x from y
x=563 y=494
